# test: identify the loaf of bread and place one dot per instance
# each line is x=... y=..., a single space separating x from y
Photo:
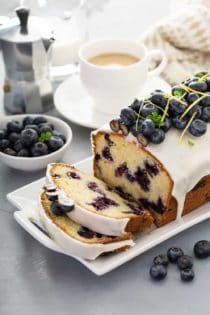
x=75 y=239
x=97 y=207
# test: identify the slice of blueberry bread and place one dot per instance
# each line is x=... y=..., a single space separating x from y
x=96 y=205
x=74 y=238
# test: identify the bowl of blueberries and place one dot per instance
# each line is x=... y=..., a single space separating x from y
x=31 y=142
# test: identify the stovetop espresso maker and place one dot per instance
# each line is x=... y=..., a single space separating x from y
x=27 y=87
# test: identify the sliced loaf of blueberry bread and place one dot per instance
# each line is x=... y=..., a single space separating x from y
x=97 y=206
x=72 y=237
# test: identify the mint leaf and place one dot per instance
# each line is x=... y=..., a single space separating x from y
x=156 y=119
x=45 y=136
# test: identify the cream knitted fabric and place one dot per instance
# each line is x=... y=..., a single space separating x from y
x=185 y=38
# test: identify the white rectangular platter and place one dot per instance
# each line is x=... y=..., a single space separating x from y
x=25 y=199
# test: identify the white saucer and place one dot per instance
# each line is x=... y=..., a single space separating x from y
x=73 y=102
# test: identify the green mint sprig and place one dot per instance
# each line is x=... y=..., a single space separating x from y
x=156 y=119
x=45 y=136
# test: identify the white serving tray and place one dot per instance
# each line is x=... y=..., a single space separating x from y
x=25 y=199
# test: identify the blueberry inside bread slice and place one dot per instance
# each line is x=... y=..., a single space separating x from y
x=96 y=205
x=76 y=239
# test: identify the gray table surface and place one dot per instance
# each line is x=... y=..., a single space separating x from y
x=35 y=280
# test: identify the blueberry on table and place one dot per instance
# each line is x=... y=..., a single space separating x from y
x=197 y=127
x=127 y=116
x=38 y=149
x=161 y=260
x=202 y=249
x=28 y=120
x=167 y=124
x=159 y=99
x=195 y=109
x=9 y=151
x=23 y=153
x=4 y=143
x=136 y=128
x=187 y=275
x=192 y=97
x=157 y=136
x=3 y=134
x=136 y=105
x=148 y=109
x=55 y=143
x=142 y=139
x=158 y=272
x=28 y=137
x=176 y=108
x=198 y=86
x=178 y=123
x=208 y=82
x=174 y=253
x=14 y=126
x=177 y=91
x=13 y=137
x=185 y=262
x=39 y=120
x=205 y=116
x=147 y=127
x=124 y=128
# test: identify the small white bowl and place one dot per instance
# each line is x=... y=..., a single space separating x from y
x=36 y=163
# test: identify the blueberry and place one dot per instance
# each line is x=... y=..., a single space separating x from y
x=202 y=249
x=158 y=99
x=55 y=208
x=205 y=101
x=55 y=143
x=136 y=105
x=195 y=109
x=192 y=97
x=141 y=139
x=13 y=137
x=28 y=137
x=114 y=125
x=208 y=82
x=127 y=116
x=198 y=86
x=136 y=128
x=18 y=146
x=185 y=262
x=157 y=136
x=14 y=126
x=174 y=253
x=176 y=108
x=167 y=124
x=187 y=275
x=161 y=260
x=4 y=144
x=39 y=120
x=200 y=74
x=124 y=128
x=205 y=116
x=178 y=123
x=28 y=120
x=23 y=152
x=45 y=128
x=148 y=109
x=147 y=127
x=51 y=126
x=35 y=127
x=197 y=127
x=9 y=152
x=158 y=272
x=177 y=91
x=39 y=148
x=3 y=134
x=58 y=134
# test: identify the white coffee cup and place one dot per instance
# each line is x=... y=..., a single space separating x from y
x=113 y=88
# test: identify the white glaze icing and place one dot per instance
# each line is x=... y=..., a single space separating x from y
x=96 y=222
x=74 y=247
x=185 y=164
